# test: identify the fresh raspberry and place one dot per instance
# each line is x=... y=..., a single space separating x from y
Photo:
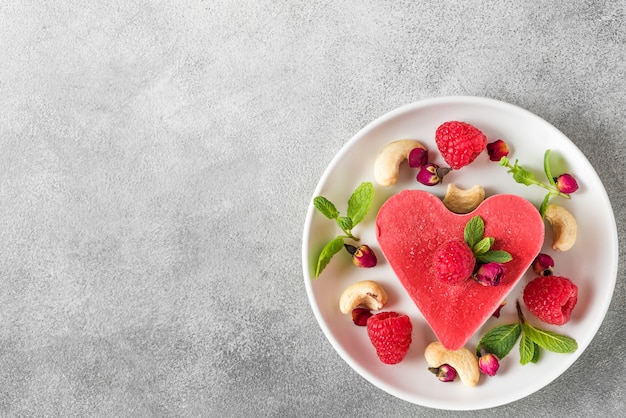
x=551 y=298
x=390 y=333
x=453 y=262
x=459 y=143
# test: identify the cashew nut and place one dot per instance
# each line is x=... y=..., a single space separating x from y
x=389 y=159
x=367 y=293
x=463 y=360
x=564 y=227
x=463 y=200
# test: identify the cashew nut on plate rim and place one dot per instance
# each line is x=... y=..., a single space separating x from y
x=388 y=161
x=367 y=293
x=461 y=201
x=564 y=227
x=463 y=360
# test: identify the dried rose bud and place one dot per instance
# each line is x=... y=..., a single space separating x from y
x=497 y=150
x=431 y=174
x=496 y=314
x=489 y=364
x=490 y=274
x=360 y=316
x=418 y=157
x=566 y=183
x=362 y=256
x=445 y=372
x=543 y=265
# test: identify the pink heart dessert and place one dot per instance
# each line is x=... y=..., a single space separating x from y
x=410 y=227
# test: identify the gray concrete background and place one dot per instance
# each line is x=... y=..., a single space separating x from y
x=156 y=163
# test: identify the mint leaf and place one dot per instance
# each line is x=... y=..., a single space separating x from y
x=536 y=354
x=523 y=176
x=551 y=341
x=526 y=348
x=544 y=204
x=360 y=202
x=499 y=340
x=327 y=253
x=326 y=207
x=474 y=230
x=358 y=205
x=345 y=223
x=482 y=246
x=546 y=167
x=494 y=256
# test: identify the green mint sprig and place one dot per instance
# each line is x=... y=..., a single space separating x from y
x=526 y=177
x=501 y=339
x=358 y=206
x=481 y=246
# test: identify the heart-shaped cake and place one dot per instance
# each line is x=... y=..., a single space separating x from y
x=412 y=224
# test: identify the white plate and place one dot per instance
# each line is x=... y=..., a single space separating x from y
x=591 y=263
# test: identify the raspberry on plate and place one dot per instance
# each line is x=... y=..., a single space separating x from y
x=551 y=298
x=390 y=333
x=459 y=143
x=453 y=262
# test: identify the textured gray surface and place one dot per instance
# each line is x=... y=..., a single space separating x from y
x=156 y=163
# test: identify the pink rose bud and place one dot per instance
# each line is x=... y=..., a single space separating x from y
x=418 y=157
x=566 y=183
x=362 y=256
x=360 y=316
x=496 y=313
x=445 y=372
x=497 y=150
x=489 y=364
x=543 y=265
x=490 y=274
x=431 y=174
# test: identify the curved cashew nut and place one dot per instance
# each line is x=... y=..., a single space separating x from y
x=463 y=200
x=463 y=360
x=389 y=159
x=366 y=293
x=564 y=227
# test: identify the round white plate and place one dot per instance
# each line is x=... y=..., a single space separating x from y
x=591 y=264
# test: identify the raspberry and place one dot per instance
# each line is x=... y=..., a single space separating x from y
x=551 y=298
x=390 y=333
x=459 y=143
x=453 y=262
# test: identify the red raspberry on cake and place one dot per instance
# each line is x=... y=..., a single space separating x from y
x=551 y=298
x=453 y=262
x=459 y=143
x=390 y=333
